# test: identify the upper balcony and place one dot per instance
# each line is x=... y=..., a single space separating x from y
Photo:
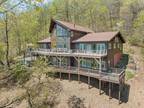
x=71 y=52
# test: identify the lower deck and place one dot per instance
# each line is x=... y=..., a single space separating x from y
x=116 y=76
x=100 y=76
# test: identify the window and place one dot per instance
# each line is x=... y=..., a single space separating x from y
x=118 y=45
x=61 y=31
x=116 y=39
x=86 y=63
x=72 y=34
x=100 y=46
x=114 y=45
x=82 y=46
x=110 y=46
x=63 y=42
x=103 y=65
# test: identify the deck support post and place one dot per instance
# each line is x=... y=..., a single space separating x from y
x=60 y=66
x=112 y=87
x=109 y=90
x=88 y=81
x=69 y=77
x=100 y=68
x=119 y=93
x=100 y=87
x=78 y=69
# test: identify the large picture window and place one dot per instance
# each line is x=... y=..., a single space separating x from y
x=62 y=37
x=100 y=46
x=60 y=31
x=92 y=47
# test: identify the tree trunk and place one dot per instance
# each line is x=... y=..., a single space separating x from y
x=18 y=37
x=7 y=40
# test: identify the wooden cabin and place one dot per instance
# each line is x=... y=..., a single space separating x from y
x=79 y=50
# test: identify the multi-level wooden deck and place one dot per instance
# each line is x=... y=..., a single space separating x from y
x=112 y=75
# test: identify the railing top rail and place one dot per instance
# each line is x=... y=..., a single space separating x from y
x=65 y=50
x=90 y=70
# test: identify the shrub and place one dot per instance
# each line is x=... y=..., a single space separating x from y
x=75 y=102
x=20 y=73
x=129 y=74
x=134 y=40
x=42 y=67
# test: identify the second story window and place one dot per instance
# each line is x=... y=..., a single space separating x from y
x=114 y=45
x=109 y=46
x=116 y=39
x=72 y=34
x=118 y=45
x=60 y=31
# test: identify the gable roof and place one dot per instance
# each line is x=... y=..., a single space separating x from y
x=70 y=26
x=47 y=40
x=99 y=37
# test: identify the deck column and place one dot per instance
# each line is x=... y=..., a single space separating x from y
x=100 y=87
x=109 y=90
x=88 y=81
x=78 y=69
x=100 y=68
x=60 y=66
x=119 y=93
x=69 y=73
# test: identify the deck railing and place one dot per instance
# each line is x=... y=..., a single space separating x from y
x=73 y=51
x=113 y=74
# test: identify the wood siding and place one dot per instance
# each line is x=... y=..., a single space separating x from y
x=114 y=54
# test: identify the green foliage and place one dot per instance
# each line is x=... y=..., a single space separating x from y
x=134 y=40
x=41 y=66
x=20 y=73
x=137 y=37
x=76 y=102
x=140 y=20
x=2 y=52
x=129 y=74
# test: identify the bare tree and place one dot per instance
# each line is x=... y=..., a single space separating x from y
x=7 y=39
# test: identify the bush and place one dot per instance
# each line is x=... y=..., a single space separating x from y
x=75 y=102
x=20 y=73
x=42 y=67
x=129 y=74
x=134 y=40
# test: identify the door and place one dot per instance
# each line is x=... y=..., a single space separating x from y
x=117 y=57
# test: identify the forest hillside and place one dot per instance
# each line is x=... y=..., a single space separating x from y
x=25 y=22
